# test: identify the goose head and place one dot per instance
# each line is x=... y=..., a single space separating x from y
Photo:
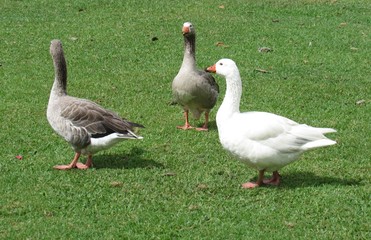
x=55 y=47
x=188 y=29
x=224 y=67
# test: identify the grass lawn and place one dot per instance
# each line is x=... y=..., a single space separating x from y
x=181 y=184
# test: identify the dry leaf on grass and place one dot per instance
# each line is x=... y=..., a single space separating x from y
x=116 y=184
x=265 y=49
x=169 y=174
x=221 y=44
x=290 y=224
x=202 y=186
x=193 y=207
x=261 y=70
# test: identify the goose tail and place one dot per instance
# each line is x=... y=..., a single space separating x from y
x=326 y=130
x=318 y=139
x=318 y=143
x=129 y=135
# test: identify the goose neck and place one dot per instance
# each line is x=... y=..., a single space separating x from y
x=232 y=98
x=60 y=71
x=189 y=58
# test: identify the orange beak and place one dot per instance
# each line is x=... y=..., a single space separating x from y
x=211 y=69
x=185 y=30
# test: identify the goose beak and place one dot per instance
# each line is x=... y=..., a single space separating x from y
x=185 y=30
x=211 y=69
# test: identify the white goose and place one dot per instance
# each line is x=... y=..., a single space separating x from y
x=88 y=127
x=264 y=141
x=195 y=90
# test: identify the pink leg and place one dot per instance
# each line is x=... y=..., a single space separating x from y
x=275 y=180
x=205 y=126
x=71 y=165
x=88 y=163
x=258 y=183
x=186 y=125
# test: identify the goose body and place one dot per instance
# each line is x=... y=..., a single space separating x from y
x=264 y=141
x=87 y=126
x=195 y=90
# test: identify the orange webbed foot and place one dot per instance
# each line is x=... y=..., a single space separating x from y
x=275 y=180
x=63 y=167
x=202 y=129
x=250 y=185
x=81 y=166
x=185 y=127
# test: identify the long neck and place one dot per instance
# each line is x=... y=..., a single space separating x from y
x=60 y=71
x=231 y=102
x=189 y=59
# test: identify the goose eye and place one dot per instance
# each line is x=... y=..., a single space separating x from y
x=221 y=64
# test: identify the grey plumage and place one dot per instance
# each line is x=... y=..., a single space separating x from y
x=195 y=90
x=87 y=126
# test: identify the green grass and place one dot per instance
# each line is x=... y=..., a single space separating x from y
x=182 y=184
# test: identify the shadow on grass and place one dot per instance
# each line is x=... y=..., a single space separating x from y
x=212 y=126
x=308 y=179
x=126 y=161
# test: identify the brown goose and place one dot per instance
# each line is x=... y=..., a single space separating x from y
x=195 y=90
x=88 y=127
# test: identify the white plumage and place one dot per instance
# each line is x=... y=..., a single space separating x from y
x=264 y=141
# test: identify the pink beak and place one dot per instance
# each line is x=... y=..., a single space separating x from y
x=185 y=30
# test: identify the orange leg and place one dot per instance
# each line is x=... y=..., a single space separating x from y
x=88 y=163
x=71 y=165
x=186 y=125
x=275 y=180
x=205 y=126
x=258 y=183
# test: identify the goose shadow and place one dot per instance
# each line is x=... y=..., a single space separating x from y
x=213 y=126
x=131 y=160
x=309 y=179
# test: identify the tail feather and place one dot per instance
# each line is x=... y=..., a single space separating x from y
x=314 y=136
x=318 y=143
x=129 y=135
x=326 y=130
